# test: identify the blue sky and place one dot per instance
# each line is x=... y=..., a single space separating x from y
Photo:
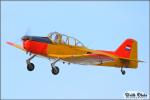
x=98 y=24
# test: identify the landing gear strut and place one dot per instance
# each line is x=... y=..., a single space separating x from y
x=30 y=66
x=55 y=69
x=123 y=71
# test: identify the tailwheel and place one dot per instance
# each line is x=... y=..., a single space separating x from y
x=55 y=70
x=123 y=71
x=30 y=66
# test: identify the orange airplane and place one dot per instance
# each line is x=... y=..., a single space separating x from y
x=64 y=48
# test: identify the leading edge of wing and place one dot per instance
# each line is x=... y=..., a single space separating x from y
x=92 y=59
x=78 y=56
x=16 y=45
x=66 y=56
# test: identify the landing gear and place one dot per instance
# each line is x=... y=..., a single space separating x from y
x=30 y=66
x=55 y=69
x=123 y=71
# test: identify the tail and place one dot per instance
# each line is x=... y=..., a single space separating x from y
x=127 y=53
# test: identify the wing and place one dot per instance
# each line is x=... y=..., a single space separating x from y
x=15 y=45
x=85 y=59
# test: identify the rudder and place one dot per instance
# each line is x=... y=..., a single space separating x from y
x=128 y=50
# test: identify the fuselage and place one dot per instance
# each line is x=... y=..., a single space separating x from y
x=68 y=49
x=61 y=45
x=44 y=46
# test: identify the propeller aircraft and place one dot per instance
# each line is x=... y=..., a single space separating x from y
x=60 y=47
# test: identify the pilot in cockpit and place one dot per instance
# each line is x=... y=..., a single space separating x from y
x=58 y=39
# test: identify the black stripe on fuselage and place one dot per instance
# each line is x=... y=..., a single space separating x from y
x=37 y=38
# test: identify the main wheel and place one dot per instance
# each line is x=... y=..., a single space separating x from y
x=55 y=70
x=123 y=72
x=30 y=67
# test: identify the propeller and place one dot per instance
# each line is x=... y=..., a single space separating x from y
x=26 y=36
x=28 y=32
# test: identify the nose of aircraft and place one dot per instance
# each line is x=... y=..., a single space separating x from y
x=26 y=43
x=29 y=41
x=35 y=44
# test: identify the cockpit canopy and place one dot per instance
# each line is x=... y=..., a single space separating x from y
x=59 y=38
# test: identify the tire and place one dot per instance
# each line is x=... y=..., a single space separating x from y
x=30 y=67
x=123 y=72
x=55 y=70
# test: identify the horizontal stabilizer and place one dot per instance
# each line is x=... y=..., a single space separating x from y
x=127 y=59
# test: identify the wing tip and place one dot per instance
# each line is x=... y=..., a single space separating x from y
x=10 y=43
x=15 y=45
